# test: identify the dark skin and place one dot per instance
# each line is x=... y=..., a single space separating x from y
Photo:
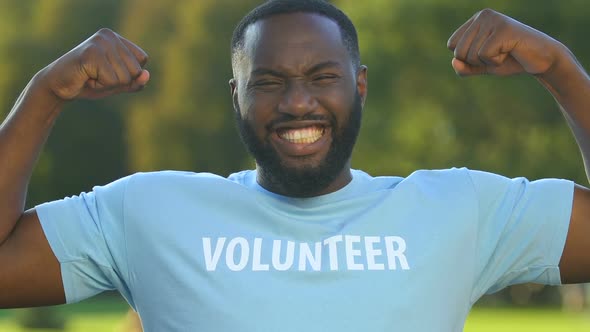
x=494 y=44
x=105 y=64
x=309 y=72
x=108 y=64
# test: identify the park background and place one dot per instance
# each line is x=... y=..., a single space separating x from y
x=419 y=114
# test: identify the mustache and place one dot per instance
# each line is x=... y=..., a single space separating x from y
x=282 y=118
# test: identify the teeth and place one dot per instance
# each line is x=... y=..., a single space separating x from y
x=302 y=135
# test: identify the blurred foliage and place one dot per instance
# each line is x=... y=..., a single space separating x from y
x=419 y=113
x=44 y=317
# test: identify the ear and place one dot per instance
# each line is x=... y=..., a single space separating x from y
x=233 y=84
x=361 y=83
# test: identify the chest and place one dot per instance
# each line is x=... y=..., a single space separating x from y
x=347 y=268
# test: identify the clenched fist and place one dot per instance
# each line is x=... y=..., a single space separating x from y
x=105 y=64
x=493 y=43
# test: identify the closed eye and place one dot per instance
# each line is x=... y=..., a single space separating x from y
x=325 y=79
x=266 y=84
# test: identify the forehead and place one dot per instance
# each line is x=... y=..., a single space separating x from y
x=293 y=42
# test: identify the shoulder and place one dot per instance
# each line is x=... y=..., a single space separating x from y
x=171 y=175
x=176 y=190
x=174 y=178
x=420 y=186
x=426 y=178
x=449 y=174
x=182 y=182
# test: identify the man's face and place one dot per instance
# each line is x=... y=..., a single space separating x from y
x=298 y=100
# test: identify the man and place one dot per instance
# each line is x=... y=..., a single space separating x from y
x=303 y=242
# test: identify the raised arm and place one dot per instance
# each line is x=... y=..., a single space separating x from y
x=103 y=65
x=495 y=44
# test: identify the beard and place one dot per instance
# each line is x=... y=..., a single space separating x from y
x=306 y=180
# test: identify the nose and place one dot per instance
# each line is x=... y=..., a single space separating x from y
x=298 y=100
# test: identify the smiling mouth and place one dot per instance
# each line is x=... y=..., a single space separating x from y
x=305 y=135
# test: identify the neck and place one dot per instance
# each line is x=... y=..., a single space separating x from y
x=279 y=185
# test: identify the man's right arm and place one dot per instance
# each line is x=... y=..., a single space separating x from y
x=104 y=65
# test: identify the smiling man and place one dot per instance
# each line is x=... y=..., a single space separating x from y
x=303 y=242
x=303 y=95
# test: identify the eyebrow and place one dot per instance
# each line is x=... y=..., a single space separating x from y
x=323 y=65
x=266 y=71
x=318 y=67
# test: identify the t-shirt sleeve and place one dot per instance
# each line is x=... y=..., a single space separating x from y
x=87 y=235
x=521 y=232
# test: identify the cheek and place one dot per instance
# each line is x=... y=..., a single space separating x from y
x=338 y=101
x=258 y=108
x=258 y=117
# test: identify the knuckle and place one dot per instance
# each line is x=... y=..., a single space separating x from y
x=487 y=12
x=459 y=55
x=143 y=58
x=451 y=44
x=105 y=32
x=103 y=35
x=135 y=71
x=98 y=39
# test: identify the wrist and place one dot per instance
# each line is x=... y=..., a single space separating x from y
x=563 y=72
x=39 y=96
x=40 y=86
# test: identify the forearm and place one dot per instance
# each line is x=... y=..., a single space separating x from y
x=570 y=86
x=22 y=135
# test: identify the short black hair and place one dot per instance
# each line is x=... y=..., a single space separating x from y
x=319 y=7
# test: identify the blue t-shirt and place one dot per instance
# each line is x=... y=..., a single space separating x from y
x=199 y=252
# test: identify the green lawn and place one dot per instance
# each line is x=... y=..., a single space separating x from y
x=101 y=314
x=525 y=320
x=107 y=315
x=76 y=323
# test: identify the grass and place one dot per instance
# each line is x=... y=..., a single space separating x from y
x=77 y=323
x=526 y=320
x=101 y=314
x=106 y=314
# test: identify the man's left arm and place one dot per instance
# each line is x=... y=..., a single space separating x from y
x=494 y=44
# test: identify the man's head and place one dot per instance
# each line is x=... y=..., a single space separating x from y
x=298 y=91
x=278 y=7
